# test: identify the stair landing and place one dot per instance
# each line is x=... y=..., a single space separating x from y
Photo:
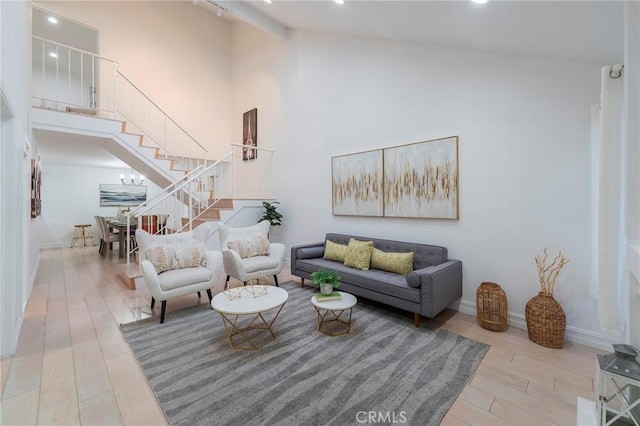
x=128 y=273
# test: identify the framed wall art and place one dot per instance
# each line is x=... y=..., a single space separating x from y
x=421 y=179
x=36 y=183
x=250 y=134
x=122 y=195
x=357 y=184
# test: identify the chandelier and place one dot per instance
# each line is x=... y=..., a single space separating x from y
x=132 y=180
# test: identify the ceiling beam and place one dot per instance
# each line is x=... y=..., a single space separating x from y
x=253 y=17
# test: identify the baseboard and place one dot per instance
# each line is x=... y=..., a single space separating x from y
x=32 y=279
x=572 y=334
x=53 y=245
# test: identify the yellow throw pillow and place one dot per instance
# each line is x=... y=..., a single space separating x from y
x=400 y=263
x=358 y=254
x=334 y=251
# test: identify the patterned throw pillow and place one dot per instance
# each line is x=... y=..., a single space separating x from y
x=256 y=245
x=189 y=255
x=161 y=257
x=358 y=254
x=400 y=263
x=334 y=251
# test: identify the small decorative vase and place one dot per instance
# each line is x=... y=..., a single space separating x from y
x=326 y=288
x=546 y=321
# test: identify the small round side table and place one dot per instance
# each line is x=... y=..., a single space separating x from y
x=491 y=306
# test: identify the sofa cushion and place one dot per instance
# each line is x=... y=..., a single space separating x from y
x=400 y=263
x=333 y=251
x=424 y=254
x=310 y=252
x=181 y=277
x=358 y=254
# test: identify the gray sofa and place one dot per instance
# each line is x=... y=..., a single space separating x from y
x=434 y=283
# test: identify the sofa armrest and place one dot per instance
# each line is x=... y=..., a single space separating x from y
x=440 y=286
x=151 y=279
x=305 y=251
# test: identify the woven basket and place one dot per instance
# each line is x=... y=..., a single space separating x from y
x=491 y=306
x=546 y=321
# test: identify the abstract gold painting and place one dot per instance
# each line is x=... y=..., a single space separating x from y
x=357 y=184
x=421 y=179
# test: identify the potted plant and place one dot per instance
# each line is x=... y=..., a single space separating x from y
x=271 y=213
x=328 y=280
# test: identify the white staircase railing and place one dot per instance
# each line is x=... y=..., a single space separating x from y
x=73 y=80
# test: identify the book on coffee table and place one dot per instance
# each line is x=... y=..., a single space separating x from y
x=328 y=297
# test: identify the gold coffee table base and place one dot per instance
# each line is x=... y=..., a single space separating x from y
x=232 y=328
x=327 y=326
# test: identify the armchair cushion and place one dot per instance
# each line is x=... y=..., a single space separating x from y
x=161 y=257
x=190 y=255
x=249 y=246
x=259 y=263
x=182 y=277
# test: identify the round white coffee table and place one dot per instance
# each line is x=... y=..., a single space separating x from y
x=330 y=313
x=232 y=309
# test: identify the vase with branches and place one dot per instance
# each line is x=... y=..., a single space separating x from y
x=546 y=320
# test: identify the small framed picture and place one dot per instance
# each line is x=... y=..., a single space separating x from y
x=250 y=135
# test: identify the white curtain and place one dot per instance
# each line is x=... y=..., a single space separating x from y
x=608 y=204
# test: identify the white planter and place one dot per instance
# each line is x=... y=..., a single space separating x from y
x=326 y=288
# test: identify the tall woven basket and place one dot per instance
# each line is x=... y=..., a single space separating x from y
x=546 y=321
x=491 y=306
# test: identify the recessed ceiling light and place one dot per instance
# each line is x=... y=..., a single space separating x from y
x=479 y=1
x=268 y=1
x=52 y=19
x=53 y=54
x=339 y=1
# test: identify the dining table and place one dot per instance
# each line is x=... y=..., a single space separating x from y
x=121 y=227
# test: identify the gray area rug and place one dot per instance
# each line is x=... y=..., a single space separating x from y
x=385 y=371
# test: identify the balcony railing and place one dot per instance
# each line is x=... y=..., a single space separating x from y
x=73 y=80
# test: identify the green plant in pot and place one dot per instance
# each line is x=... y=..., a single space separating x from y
x=271 y=213
x=328 y=280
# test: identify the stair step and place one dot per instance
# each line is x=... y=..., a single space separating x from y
x=222 y=204
x=128 y=273
x=209 y=213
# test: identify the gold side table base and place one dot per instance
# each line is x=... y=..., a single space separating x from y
x=233 y=329
x=327 y=326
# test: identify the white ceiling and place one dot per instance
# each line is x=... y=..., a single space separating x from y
x=588 y=31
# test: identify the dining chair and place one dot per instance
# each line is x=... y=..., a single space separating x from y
x=107 y=238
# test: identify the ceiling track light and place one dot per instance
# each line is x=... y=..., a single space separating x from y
x=219 y=11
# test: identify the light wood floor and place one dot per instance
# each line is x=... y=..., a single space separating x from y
x=72 y=365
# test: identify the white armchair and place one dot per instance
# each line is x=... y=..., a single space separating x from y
x=177 y=264
x=247 y=253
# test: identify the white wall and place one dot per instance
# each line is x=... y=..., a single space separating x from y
x=18 y=251
x=523 y=125
x=71 y=195
x=190 y=79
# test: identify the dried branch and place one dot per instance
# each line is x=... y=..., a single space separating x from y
x=548 y=274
